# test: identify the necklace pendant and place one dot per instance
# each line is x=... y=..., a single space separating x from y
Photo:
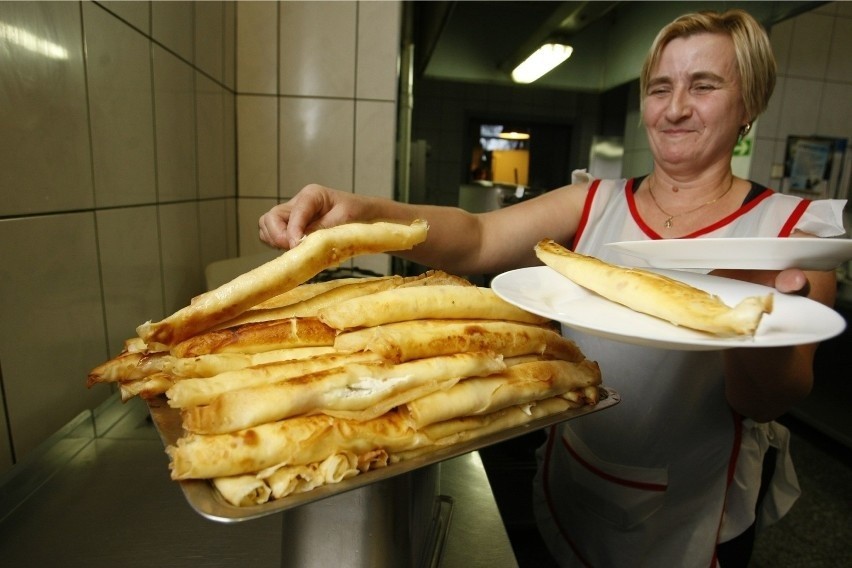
x=668 y=223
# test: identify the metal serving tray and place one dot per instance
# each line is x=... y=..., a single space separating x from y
x=208 y=503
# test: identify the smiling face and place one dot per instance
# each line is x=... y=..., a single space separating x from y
x=693 y=108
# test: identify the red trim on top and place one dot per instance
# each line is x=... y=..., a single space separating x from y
x=630 y=196
x=797 y=213
x=584 y=218
x=732 y=468
x=631 y=203
x=545 y=479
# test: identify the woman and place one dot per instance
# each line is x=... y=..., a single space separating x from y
x=674 y=470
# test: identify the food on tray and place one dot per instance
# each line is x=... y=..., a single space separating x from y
x=281 y=385
x=318 y=251
x=657 y=295
x=424 y=302
x=403 y=341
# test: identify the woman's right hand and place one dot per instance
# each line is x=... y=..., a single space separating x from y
x=314 y=207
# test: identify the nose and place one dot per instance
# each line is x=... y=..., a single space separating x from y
x=679 y=105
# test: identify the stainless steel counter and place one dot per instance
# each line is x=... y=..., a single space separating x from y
x=111 y=503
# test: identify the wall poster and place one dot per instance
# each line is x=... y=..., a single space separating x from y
x=814 y=166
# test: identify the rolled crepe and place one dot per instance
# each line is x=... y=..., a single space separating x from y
x=656 y=295
x=243 y=490
x=258 y=337
x=317 y=251
x=310 y=307
x=467 y=428
x=199 y=391
x=518 y=384
x=424 y=302
x=408 y=340
x=355 y=387
x=295 y=441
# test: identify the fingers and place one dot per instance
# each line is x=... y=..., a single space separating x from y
x=790 y=281
x=272 y=227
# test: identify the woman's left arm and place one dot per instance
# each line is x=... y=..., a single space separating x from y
x=763 y=383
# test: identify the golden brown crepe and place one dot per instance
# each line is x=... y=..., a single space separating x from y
x=317 y=251
x=295 y=441
x=656 y=295
x=519 y=384
x=408 y=340
x=258 y=337
x=467 y=428
x=198 y=391
x=310 y=307
x=425 y=302
x=355 y=387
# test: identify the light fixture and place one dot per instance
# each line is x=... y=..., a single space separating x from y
x=512 y=135
x=544 y=59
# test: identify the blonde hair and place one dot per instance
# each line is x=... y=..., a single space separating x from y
x=753 y=52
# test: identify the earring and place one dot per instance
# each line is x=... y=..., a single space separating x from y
x=745 y=130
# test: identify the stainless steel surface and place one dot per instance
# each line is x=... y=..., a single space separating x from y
x=397 y=512
x=207 y=502
x=111 y=503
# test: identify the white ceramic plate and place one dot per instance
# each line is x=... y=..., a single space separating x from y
x=541 y=290
x=754 y=253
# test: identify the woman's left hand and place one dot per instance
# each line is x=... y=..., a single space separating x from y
x=789 y=281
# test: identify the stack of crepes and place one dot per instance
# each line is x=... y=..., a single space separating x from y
x=284 y=385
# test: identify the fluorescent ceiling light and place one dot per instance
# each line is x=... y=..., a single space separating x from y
x=543 y=60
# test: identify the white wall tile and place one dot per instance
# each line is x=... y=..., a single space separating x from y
x=181 y=254
x=174 y=104
x=317 y=55
x=767 y=123
x=781 y=38
x=6 y=455
x=121 y=106
x=216 y=222
x=211 y=123
x=316 y=146
x=44 y=147
x=257 y=145
x=257 y=47
x=844 y=8
x=375 y=148
x=229 y=57
x=134 y=12
x=51 y=332
x=250 y=211
x=131 y=282
x=839 y=61
x=808 y=58
x=172 y=26
x=210 y=38
x=835 y=118
x=378 y=50
x=799 y=113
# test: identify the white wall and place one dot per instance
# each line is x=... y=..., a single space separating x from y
x=119 y=156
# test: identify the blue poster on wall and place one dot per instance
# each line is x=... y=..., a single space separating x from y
x=814 y=165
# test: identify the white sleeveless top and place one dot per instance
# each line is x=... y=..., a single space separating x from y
x=662 y=477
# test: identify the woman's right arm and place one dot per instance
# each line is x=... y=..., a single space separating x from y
x=458 y=241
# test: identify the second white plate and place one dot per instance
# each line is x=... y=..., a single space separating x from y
x=541 y=290
x=746 y=253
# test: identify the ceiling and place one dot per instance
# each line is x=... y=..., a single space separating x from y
x=481 y=41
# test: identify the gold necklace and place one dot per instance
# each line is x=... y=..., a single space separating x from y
x=668 y=222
